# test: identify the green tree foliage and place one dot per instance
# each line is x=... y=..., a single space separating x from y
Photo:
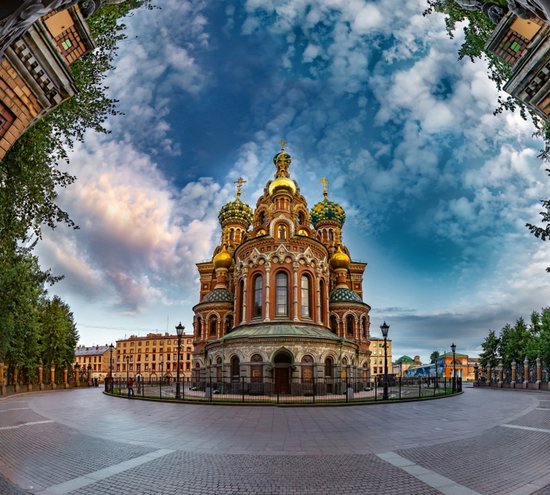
x=58 y=336
x=515 y=341
x=489 y=356
x=542 y=233
x=434 y=356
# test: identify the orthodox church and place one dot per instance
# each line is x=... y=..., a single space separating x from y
x=281 y=301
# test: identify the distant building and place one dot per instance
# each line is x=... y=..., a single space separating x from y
x=405 y=362
x=446 y=366
x=95 y=358
x=35 y=76
x=525 y=46
x=377 y=356
x=153 y=356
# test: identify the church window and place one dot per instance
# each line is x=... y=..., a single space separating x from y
x=213 y=326
x=262 y=218
x=330 y=235
x=282 y=294
x=349 y=326
x=256 y=369
x=334 y=324
x=305 y=295
x=329 y=367
x=235 y=366
x=301 y=218
x=228 y=324
x=258 y=297
x=282 y=232
x=231 y=235
x=197 y=329
x=307 y=369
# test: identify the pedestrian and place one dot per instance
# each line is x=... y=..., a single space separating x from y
x=130 y=387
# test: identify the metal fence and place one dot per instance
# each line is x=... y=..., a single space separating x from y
x=315 y=391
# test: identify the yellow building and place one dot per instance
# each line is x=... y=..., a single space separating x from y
x=377 y=356
x=95 y=358
x=153 y=356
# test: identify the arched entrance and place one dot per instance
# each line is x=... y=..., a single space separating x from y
x=281 y=365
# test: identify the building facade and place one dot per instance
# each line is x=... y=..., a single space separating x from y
x=95 y=359
x=448 y=367
x=524 y=44
x=35 y=74
x=152 y=357
x=377 y=356
x=281 y=301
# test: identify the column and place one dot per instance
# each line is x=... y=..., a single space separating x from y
x=40 y=377
x=245 y=296
x=295 y=290
x=15 y=379
x=514 y=374
x=317 y=283
x=267 y=289
x=500 y=374
x=526 y=373
x=52 y=377
x=65 y=377
x=539 y=373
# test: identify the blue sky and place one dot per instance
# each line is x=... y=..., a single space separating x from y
x=370 y=94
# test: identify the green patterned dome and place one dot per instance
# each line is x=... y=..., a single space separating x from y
x=344 y=294
x=327 y=210
x=236 y=210
x=218 y=295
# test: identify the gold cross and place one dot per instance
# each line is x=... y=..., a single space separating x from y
x=240 y=182
x=282 y=142
x=325 y=183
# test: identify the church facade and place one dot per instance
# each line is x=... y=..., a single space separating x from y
x=281 y=302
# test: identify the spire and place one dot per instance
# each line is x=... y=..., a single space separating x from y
x=325 y=184
x=240 y=183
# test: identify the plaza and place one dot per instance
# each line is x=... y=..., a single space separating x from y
x=483 y=441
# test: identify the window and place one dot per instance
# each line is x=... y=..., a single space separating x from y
x=305 y=294
x=282 y=294
x=307 y=369
x=329 y=367
x=301 y=218
x=241 y=297
x=228 y=324
x=282 y=232
x=334 y=324
x=256 y=369
x=235 y=366
x=349 y=326
x=515 y=46
x=66 y=44
x=231 y=235
x=258 y=295
x=323 y=301
x=213 y=325
x=262 y=218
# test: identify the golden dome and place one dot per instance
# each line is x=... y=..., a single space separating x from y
x=339 y=260
x=261 y=232
x=303 y=232
x=223 y=259
x=282 y=183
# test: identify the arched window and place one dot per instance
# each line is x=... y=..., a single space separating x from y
x=258 y=297
x=198 y=327
x=281 y=232
x=334 y=324
x=301 y=218
x=330 y=235
x=228 y=323
x=329 y=367
x=213 y=325
x=231 y=235
x=262 y=218
x=307 y=369
x=349 y=326
x=256 y=369
x=305 y=296
x=281 y=282
x=235 y=367
x=323 y=301
x=219 y=369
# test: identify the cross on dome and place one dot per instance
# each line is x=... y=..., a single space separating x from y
x=240 y=183
x=325 y=184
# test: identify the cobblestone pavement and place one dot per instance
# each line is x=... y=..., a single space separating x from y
x=82 y=442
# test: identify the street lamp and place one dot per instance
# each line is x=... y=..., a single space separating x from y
x=453 y=348
x=179 y=329
x=111 y=347
x=385 y=328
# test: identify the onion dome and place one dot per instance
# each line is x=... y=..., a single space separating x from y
x=218 y=295
x=339 y=260
x=223 y=259
x=343 y=294
x=327 y=210
x=282 y=184
x=236 y=210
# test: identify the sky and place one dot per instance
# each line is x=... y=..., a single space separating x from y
x=370 y=95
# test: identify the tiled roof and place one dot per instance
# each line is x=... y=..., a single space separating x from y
x=218 y=295
x=343 y=294
x=282 y=330
x=91 y=351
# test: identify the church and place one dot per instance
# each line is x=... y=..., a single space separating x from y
x=281 y=302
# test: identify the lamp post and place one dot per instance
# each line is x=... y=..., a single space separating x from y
x=385 y=328
x=179 y=329
x=111 y=347
x=453 y=348
x=127 y=358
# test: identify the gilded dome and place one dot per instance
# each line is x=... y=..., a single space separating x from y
x=327 y=210
x=282 y=183
x=339 y=260
x=236 y=210
x=223 y=259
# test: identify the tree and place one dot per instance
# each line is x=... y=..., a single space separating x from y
x=489 y=356
x=543 y=233
x=514 y=343
x=434 y=356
